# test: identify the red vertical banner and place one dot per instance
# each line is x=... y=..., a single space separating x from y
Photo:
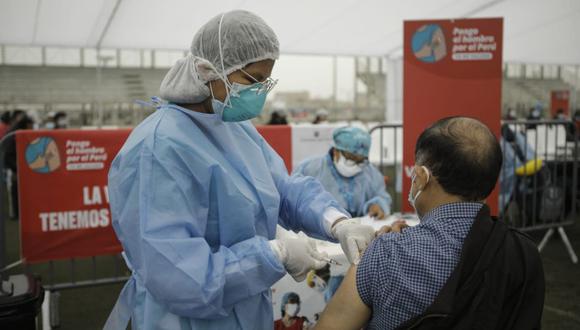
x=63 y=196
x=451 y=68
x=560 y=100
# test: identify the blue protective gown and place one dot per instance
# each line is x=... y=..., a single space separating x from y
x=356 y=193
x=332 y=286
x=511 y=162
x=194 y=202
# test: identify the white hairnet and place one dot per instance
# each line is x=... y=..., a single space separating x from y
x=244 y=37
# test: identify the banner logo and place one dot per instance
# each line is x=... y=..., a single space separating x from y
x=42 y=155
x=428 y=43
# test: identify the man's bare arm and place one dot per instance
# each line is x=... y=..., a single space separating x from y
x=345 y=310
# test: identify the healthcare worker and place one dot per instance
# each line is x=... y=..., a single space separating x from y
x=346 y=173
x=196 y=194
x=516 y=153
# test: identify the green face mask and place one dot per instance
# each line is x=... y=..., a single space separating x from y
x=243 y=102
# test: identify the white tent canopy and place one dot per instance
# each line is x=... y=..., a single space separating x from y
x=535 y=31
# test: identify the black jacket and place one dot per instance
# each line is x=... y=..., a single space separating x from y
x=497 y=284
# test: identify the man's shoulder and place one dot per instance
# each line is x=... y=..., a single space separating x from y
x=415 y=235
x=421 y=246
x=386 y=246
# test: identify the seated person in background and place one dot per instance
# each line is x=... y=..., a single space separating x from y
x=459 y=268
x=321 y=117
x=5 y=123
x=278 y=117
x=290 y=307
x=345 y=172
x=560 y=115
x=535 y=113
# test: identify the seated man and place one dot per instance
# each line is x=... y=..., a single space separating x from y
x=459 y=268
x=346 y=173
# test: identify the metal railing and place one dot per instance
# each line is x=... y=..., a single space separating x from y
x=57 y=275
x=539 y=179
x=390 y=160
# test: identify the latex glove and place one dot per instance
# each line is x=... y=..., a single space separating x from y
x=353 y=237
x=376 y=211
x=298 y=255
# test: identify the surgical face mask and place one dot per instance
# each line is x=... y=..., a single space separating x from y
x=346 y=167
x=292 y=309
x=243 y=102
x=413 y=199
x=319 y=284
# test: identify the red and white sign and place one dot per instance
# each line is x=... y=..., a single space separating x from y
x=64 y=201
x=451 y=68
x=311 y=140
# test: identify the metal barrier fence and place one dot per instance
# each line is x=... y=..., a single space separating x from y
x=56 y=275
x=539 y=181
x=388 y=139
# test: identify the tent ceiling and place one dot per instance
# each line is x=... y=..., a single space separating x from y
x=538 y=31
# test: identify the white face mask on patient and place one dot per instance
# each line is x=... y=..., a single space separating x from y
x=413 y=199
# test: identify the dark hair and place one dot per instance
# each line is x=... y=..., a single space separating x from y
x=59 y=115
x=22 y=123
x=16 y=113
x=463 y=155
x=6 y=116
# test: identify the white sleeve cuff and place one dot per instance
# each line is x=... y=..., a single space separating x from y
x=277 y=249
x=330 y=216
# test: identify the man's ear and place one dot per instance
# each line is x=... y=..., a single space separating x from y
x=422 y=177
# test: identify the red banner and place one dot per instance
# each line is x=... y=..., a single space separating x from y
x=560 y=100
x=451 y=68
x=64 y=206
x=64 y=202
